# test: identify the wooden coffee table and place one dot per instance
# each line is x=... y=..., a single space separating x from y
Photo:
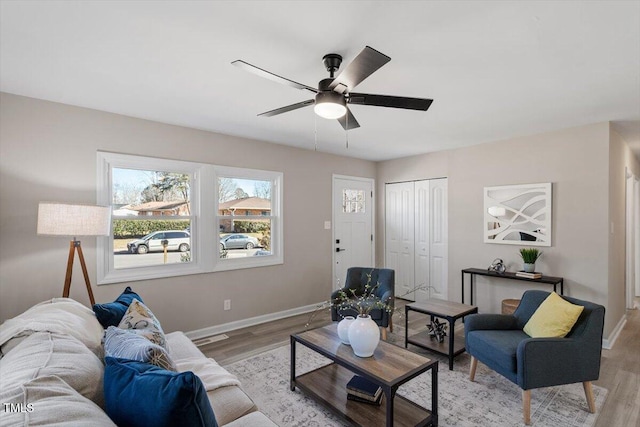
x=390 y=366
x=449 y=310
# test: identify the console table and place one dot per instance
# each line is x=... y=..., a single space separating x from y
x=545 y=280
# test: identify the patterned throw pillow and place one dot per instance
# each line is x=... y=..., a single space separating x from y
x=122 y=344
x=140 y=320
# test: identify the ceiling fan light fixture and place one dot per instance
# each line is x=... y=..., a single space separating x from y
x=330 y=105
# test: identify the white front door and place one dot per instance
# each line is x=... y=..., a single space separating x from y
x=353 y=244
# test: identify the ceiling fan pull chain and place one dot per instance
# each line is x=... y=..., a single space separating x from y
x=315 y=132
x=346 y=131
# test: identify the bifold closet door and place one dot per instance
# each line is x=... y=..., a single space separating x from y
x=422 y=240
x=416 y=242
x=399 y=236
x=438 y=238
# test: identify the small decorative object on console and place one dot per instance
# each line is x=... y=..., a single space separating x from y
x=498 y=266
x=437 y=330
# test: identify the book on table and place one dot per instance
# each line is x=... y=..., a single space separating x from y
x=528 y=275
x=355 y=398
x=362 y=388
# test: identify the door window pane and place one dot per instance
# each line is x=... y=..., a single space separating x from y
x=353 y=201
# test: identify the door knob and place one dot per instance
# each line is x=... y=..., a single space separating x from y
x=340 y=250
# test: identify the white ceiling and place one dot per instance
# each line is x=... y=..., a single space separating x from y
x=495 y=69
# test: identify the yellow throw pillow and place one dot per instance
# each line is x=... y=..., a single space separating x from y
x=554 y=318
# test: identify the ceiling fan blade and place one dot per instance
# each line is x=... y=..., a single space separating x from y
x=366 y=63
x=390 y=101
x=348 y=121
x=288 y=108
x=273 y=77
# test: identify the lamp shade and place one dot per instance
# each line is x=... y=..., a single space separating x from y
x=60 y=219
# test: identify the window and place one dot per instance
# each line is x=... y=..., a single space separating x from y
x=249 y=219
x=175 y=218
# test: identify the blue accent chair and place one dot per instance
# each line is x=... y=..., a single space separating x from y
x=356 y=280
x=498 y=341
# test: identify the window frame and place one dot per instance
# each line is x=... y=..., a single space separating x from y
x=276 y=217
x=107 y=273
x=203 y=204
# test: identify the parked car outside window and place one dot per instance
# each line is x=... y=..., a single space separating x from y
x=177 y=240
x=238 y=241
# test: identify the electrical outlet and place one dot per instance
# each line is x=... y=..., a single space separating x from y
x=227 y=304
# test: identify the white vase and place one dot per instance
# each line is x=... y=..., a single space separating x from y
x=343 y=329
x=529 y=268
x=364 y=336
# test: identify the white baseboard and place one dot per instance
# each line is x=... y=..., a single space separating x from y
x=608 y=343
x=226 y=327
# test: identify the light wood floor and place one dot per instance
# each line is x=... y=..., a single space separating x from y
x=619 y=372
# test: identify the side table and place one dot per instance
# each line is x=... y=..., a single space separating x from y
x=449 y=310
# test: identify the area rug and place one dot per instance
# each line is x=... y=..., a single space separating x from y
x=489 y=401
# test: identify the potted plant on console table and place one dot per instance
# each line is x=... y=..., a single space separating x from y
x=530 y=256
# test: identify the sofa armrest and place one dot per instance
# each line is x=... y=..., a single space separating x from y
x=487 y=321
x=546 y=362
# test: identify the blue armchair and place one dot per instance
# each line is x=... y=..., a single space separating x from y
x=357 y=278
x=499 y=342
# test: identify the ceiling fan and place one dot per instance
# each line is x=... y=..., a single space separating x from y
x=334 y=93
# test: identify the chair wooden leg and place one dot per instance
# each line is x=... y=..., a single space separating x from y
x=472 y=368
x=588 y=392
x=526 y=406
x=384 y=334
x=390 y=323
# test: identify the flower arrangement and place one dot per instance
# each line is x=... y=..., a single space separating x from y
x=363 y=303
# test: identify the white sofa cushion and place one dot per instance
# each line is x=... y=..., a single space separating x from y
x=46 y=353
x=60 y=315
x=227 y=399
x=48 y=400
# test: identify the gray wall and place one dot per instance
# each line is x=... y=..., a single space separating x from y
x=48 y=153
x=576 y=162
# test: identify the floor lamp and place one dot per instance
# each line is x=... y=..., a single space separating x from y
x=59 y=219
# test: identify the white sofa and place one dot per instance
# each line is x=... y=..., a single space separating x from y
x=52 y=367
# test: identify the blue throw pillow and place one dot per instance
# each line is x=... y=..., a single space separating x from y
x=111 y=313
x=140 y=394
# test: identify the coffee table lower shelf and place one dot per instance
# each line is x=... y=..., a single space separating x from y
x=328 y=385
